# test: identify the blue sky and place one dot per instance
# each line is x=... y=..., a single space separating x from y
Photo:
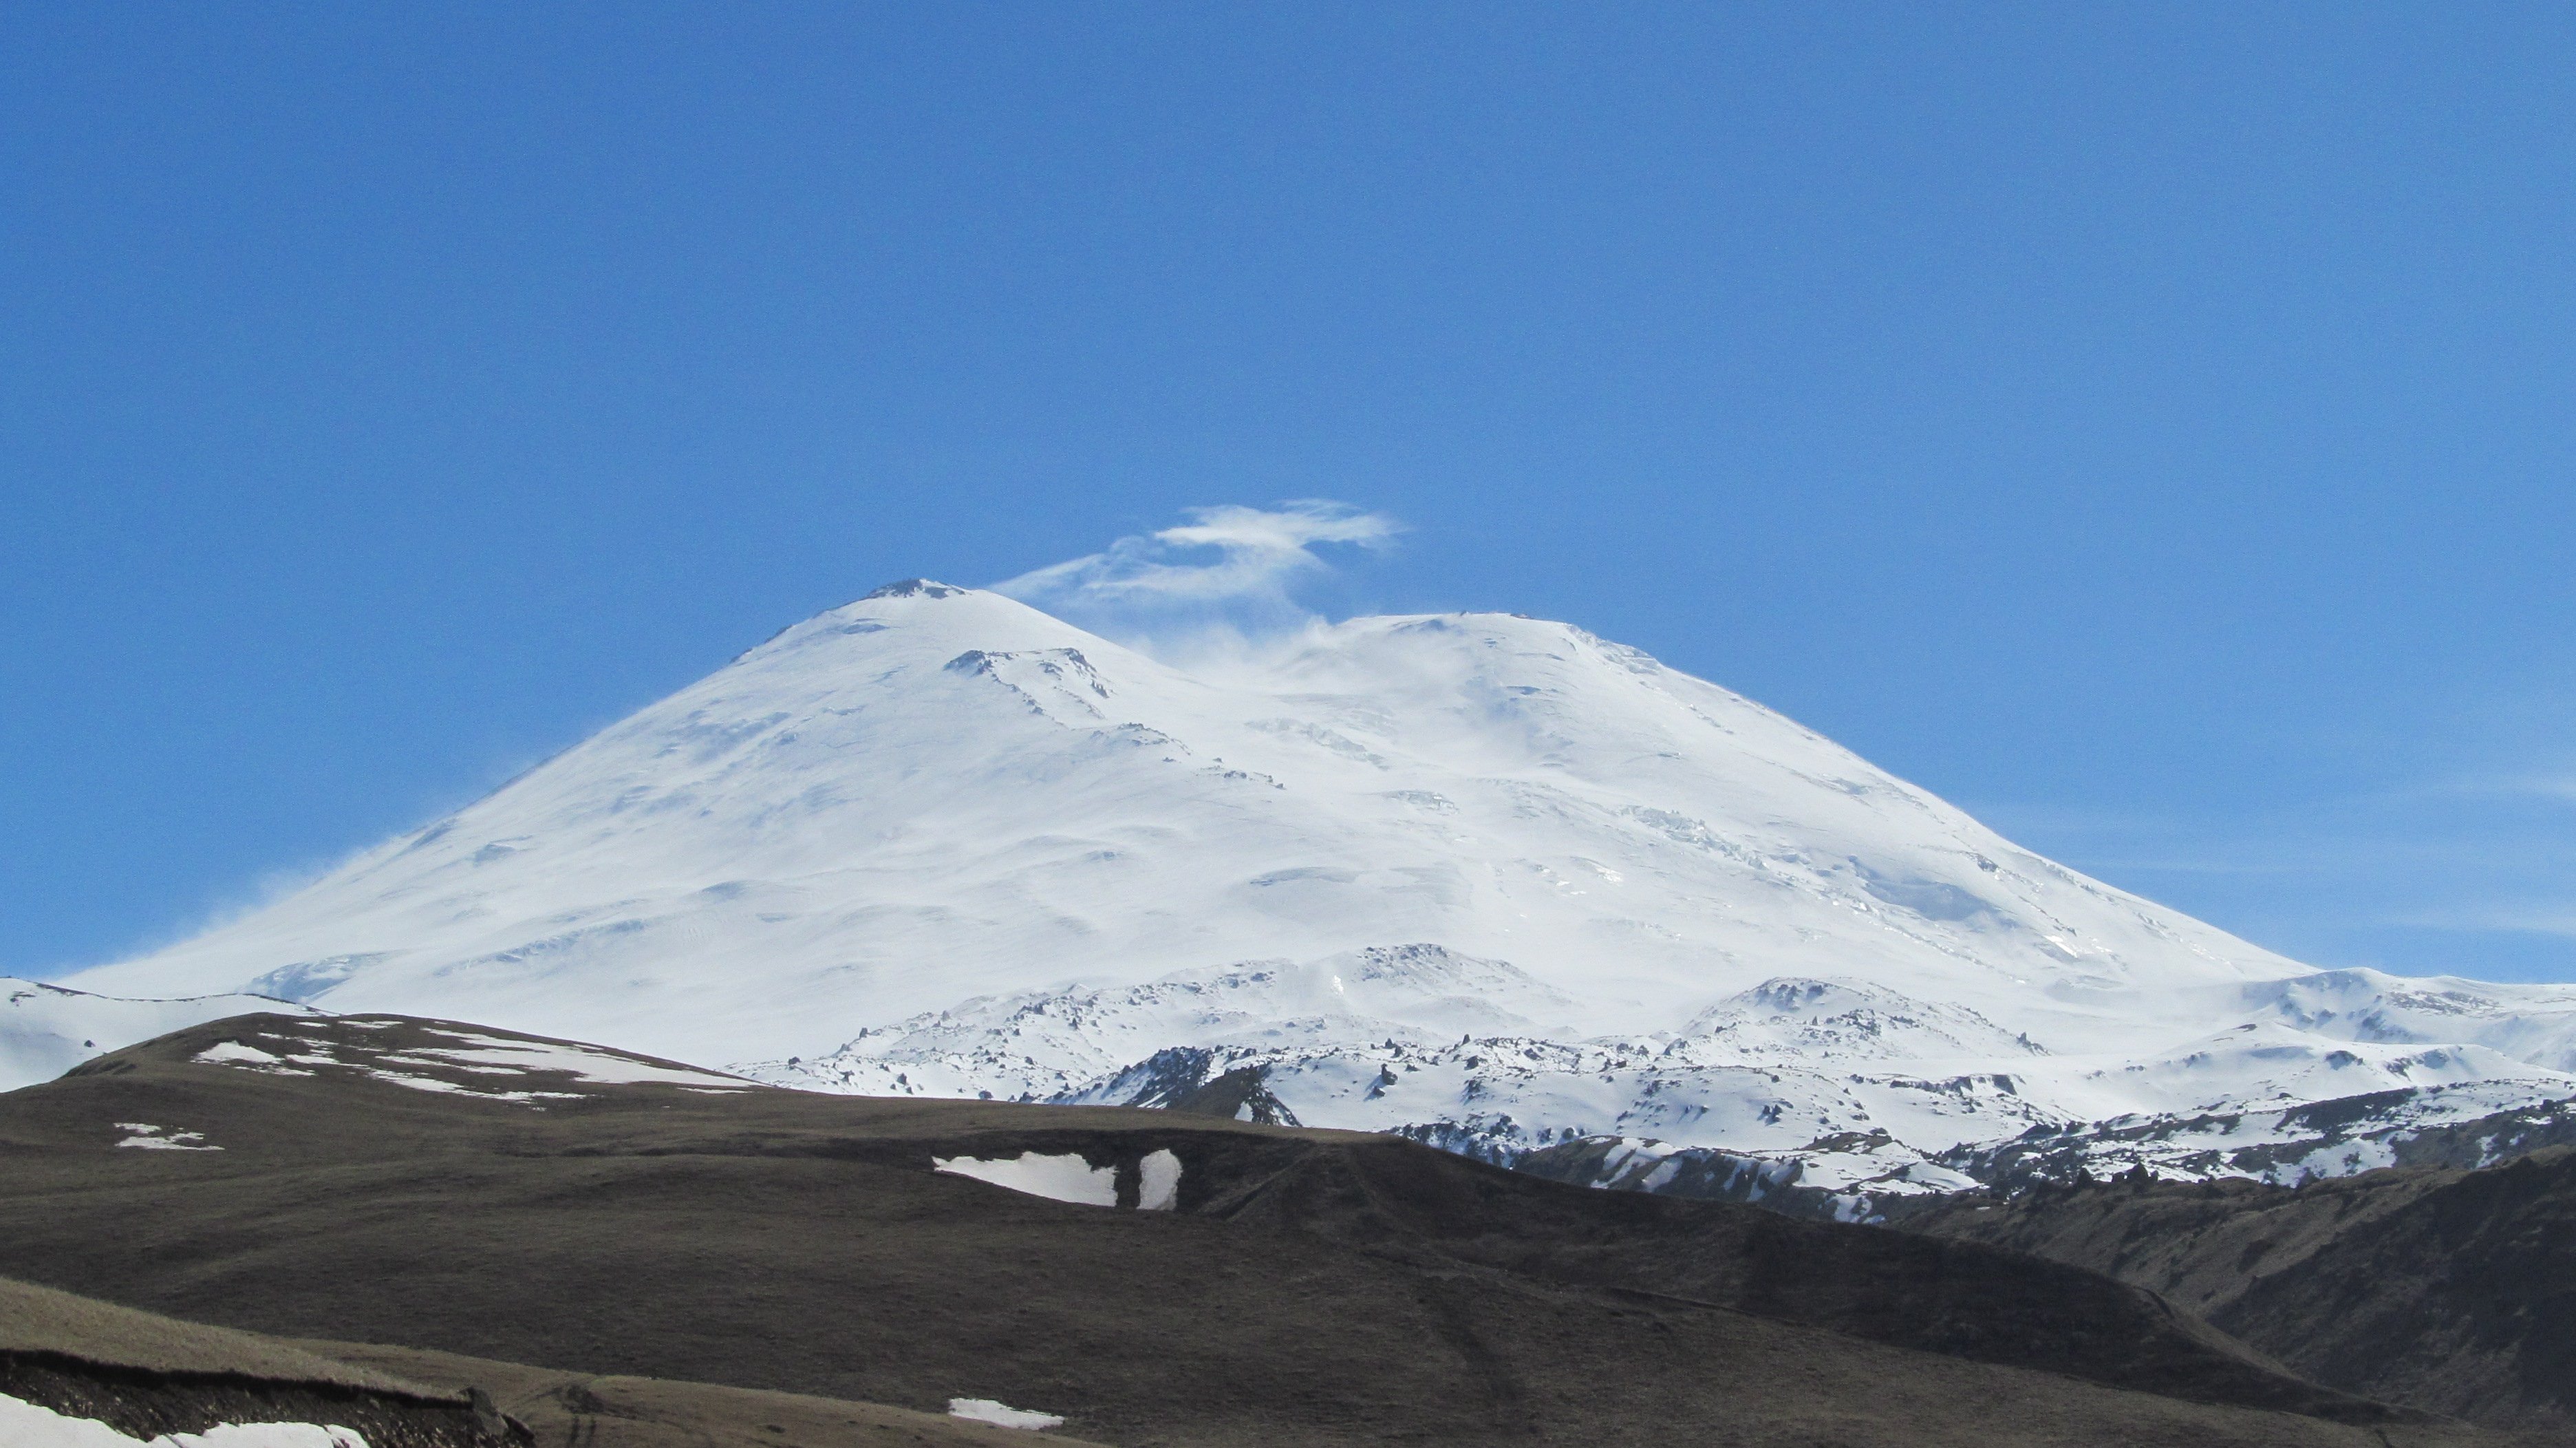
x=2147 y=425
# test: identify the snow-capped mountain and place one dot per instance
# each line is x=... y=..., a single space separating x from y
x=1486 y=879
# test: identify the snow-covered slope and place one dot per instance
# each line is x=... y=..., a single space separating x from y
x=1482 y=877
x=46 y=1030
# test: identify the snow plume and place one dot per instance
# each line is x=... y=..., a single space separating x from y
x=1229 y=569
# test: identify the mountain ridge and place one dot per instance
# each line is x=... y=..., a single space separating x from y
x=936 y=836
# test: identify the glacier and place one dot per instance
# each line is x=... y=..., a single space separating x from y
x=1486 y=880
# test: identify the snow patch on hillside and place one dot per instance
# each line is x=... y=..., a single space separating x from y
x=1063 y=1177
x=453 y=1061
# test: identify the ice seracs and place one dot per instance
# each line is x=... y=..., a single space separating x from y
x=1485 y=879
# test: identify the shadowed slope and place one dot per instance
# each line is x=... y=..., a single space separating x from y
x=144 y=1374
x=2451 y=1290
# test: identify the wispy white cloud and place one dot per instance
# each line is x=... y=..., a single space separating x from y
x=2552 y=787
x=1228 y=558
x=2543 y=918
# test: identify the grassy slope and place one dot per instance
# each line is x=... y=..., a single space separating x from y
x=1317 y=1288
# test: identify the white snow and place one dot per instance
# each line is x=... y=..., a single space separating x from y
x=2282 y=1143
x=1486 y=879
x=1066 y=1178
x=28 y=1425
x=235 y=1053
x=46 y=1030
x=418 y=1082
x=489 y=1065
x=1158 y=1182
x=985 y=1410
x=582 y=1063
x=163 y=1138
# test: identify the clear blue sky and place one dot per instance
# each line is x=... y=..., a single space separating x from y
x=2147 y=425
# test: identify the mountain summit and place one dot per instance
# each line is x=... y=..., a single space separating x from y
x=1485 y=878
